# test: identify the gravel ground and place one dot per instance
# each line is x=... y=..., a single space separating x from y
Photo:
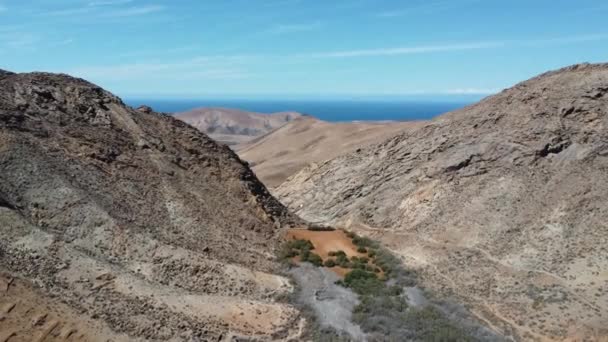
x=332 y=303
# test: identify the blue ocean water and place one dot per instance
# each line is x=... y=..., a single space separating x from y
x=328 y=110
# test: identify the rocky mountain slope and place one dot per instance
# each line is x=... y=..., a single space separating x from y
x=118 y=224
x=286 y=150
x=501 y=204
x=232 y=126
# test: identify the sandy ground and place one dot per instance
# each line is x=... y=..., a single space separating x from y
x=325 y=242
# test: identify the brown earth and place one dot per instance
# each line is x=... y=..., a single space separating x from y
x=130 y=225
x=233 y=126
x=500 y=205
x=283 y=152
x=325 y=242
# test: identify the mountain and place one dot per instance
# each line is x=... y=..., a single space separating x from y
x=501 y=205
x=279 y=154
x=232 y=126
x=122 y=225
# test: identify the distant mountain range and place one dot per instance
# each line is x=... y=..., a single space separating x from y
x=232 y=126
x=284 y=151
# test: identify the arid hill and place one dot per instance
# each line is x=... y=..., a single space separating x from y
x=286 y=150
x=232 y=126
x=124 y=225
x=501 y=205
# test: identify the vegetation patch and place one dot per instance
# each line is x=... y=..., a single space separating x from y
x=383 y=311
x=319 y=228
x=379 y=279
x=301 y=249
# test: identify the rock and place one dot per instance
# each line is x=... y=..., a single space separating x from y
x=145 y=109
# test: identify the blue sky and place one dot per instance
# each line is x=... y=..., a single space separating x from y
x=275 y=48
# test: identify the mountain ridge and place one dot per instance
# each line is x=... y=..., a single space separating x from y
x=130 y=225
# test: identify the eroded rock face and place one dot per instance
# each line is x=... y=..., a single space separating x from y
x=133 y=218
x=501 y=204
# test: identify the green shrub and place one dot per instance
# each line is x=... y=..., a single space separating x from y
x=363 y=242
x=363 y=282
x=337 y=254
x=345 y=263
x=362 y=250
x=330 y=263
x=364 y=260
x=358 y=266
x=318 y=228
x=304 y=255
x=301 y=244
x=341 y=258
x=315 y=260
x=371 y=253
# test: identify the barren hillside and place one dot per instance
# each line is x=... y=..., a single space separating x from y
x=126 y=225
x=501 y=204
x=232 y=126
x=285 y=151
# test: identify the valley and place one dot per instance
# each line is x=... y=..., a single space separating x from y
x=496 y=205
x=126 y=224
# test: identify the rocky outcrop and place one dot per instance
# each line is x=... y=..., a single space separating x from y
x=501 y=204
x=136 y=220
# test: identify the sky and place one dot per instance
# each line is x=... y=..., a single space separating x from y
x=301 y=48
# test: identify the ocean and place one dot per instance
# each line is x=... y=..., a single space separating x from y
x=328 y=110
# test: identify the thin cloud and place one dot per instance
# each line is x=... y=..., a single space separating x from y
x=563 y=40
x=107 y=9
x=410 y=50
x=425 y=8
x=292 y=28
x=407 y=50
x=206 y=67
x=109 y=3
x=135 y=11
x=3 y=9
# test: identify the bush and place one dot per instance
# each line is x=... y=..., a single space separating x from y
x=363 y=282
x=337 y=253
x=301 y=244
x=362 y=250
x=330 y=263
x=314 y=259
x=345 y=263
x=319 y=228
x=363 y=242
x=341 y=258
x=371 y=253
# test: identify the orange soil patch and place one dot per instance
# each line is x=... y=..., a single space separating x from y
x=326 y=241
